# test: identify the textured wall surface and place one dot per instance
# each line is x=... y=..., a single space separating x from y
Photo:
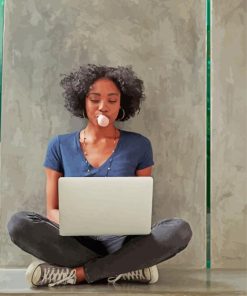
x=229 y=134
x=165 y=43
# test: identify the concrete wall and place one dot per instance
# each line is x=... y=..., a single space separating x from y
x=229 y=134
x=165 y=43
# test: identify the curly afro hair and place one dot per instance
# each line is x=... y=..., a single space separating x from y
x=76 y=86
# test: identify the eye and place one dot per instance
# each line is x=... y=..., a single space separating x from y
x=112 y=102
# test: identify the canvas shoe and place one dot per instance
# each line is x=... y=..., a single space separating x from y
x=147 y=275
x=40 y=273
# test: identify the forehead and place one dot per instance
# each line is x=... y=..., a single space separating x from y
x=104 y=84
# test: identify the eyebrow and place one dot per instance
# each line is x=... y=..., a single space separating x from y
x=98 y=94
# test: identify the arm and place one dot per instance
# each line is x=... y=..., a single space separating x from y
x=144 y=172
x=52 y=210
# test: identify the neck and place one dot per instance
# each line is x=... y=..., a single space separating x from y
x=97 y=133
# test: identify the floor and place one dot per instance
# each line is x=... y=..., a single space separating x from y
x=171 y=283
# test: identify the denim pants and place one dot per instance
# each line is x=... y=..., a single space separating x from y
x=100 y=257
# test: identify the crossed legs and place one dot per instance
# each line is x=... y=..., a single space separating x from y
x=40 y=237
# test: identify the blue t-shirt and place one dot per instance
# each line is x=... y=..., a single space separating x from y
x=133 y=152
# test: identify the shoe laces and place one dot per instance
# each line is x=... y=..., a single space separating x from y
x=58 y=275
x=132 y=275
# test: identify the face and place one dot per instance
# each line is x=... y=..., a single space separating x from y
x=103 y=98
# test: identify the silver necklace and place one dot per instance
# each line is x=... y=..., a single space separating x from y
x=85 y=152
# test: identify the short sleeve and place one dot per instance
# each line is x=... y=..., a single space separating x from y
x=146 y=158
x=53 y=157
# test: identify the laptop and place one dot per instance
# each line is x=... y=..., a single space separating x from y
x=105 y=205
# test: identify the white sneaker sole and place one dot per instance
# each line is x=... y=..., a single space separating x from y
x=32 y=273
x=154 y=274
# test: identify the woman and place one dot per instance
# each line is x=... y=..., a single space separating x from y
x=103 y=95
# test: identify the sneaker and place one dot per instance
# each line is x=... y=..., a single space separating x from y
x=40 y=273
x=147 y=275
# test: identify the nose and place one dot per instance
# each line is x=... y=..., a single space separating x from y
x=103 y=106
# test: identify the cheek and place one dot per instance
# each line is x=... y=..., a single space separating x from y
x=116 y=110
x=118 y=106
x=89 y=106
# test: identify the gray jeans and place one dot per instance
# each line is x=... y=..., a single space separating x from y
x=103 y=257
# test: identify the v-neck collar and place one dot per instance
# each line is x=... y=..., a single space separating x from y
x=82 y=154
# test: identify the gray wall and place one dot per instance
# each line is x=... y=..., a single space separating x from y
x=165 y=43
x=229 y=134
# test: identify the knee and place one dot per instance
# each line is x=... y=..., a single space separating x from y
x=17 y=225
x=175 y=232
x=184 y=232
